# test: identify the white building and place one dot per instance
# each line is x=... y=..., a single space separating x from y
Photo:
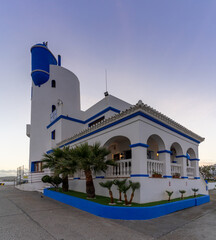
x=141 y=139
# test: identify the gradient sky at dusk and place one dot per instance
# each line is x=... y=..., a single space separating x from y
x=162 y=52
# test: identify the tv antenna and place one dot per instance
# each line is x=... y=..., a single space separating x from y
x=106 y=93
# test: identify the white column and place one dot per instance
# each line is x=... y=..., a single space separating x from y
x=139 y=160
x=183 y=161
x=164 y=156
x=195 y=164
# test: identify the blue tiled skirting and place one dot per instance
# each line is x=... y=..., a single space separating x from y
x=125 y=213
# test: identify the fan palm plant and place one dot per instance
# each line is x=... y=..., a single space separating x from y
x=118 y=183
x=124 y=188
x=133 y=186
x=61 y=162
x=89 y=159
x=108 y=185
x=195 y=190
x=169 y=195
x=182 y=193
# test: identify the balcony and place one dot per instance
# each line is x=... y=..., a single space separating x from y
x=53 y=115
x=175 y=168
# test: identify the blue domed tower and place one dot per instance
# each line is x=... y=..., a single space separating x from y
x=42 y=58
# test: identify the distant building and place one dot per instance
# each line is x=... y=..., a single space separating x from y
x=142 y=140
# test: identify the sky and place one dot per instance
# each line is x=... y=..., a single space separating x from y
x=162 y=52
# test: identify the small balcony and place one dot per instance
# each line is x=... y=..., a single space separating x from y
x=53 y=115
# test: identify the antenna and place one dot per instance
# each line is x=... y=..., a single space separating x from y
x=106 y=93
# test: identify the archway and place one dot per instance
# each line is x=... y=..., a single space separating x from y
x=155 y=144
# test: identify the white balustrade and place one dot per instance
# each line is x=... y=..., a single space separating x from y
x=154 y=166
x=175 y=168
x=190 y=171
x=122 y=169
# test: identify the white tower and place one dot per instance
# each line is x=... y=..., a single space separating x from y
x=55 y=96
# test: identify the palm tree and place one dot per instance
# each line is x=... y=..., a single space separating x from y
x=124 y=188
x=134 y=186
x=118 y=183
x=195 y=190
x=61 y=162
x=169 y=194
x=90 y=158
x=182 y=193
x=108 y=184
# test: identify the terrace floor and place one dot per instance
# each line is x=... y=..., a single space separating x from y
x=25 y=215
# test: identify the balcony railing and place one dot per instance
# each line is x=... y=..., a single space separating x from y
x=175 y=168
x=154 y=166
x=53 y=116
x=190 y=171
x=122 y=169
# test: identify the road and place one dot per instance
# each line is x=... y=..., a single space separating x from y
x=28 y=216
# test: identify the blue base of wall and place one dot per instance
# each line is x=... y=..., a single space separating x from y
x=125 y=213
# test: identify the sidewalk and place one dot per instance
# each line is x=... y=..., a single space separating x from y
x=25 y=216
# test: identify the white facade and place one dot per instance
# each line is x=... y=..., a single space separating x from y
x=141 y=140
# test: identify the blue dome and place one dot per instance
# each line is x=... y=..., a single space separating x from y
x=41 y=59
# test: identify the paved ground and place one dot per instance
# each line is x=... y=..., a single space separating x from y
x=27 y=216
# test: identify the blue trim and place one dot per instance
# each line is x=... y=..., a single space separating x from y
x=165 y=151
x=179 y=156
x=165 y=176
x=174 y=161
x=32 y=166
x=139 y=175
x=196 y=177
x=81 y=121
x=76 y=178
x=195 y=159
x=184 y=177
x=99 y=176
x=120 y=121
x=139 y=145
x=125 y=213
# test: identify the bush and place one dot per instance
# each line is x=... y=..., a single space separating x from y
x=55 y=181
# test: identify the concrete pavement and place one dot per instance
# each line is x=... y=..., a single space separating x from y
x=27 y=216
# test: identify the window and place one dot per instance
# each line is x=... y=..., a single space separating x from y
x=53 y=135
x=53 y=84
x=53 y=108
x=96 y=121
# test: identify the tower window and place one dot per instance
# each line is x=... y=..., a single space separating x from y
x=53 y=135
x=53 y=84
x=53 y=108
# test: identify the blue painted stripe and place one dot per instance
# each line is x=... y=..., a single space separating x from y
x=165 y=176
x=139 y=145
x=99 y=176
x=174 y=161
x=184 y=177
x=115 y=123
x=180 y=156
x=195 y=159
x=76 y=178
x=165 y=151
x=196 y=177
x=81 y=121
x=139 y=175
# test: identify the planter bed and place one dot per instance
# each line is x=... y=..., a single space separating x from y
x=135 y=212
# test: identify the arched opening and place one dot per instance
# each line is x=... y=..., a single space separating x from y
x=176 y=150
x=53 y=108
x=53 y=84
x=155 y=144
x=120 y=152
x=190 y=155
x=119 y=148
x=176 y=164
